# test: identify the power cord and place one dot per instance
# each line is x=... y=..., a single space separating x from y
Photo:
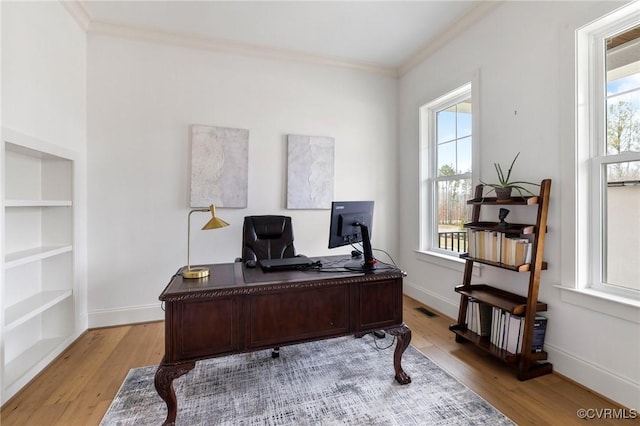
x=359 y=250
x=375 y=341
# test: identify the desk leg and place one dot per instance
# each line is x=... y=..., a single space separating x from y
x=403 y=333
x=165 y=375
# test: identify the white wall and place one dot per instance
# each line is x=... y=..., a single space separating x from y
x=524 y=53
x=142 y=99
x=44 y=73
x=44 y=77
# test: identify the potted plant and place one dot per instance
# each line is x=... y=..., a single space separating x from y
x=505 y=186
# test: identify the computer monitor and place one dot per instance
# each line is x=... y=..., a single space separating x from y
x=351 y=223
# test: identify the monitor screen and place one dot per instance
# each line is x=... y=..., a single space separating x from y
x=351 y=223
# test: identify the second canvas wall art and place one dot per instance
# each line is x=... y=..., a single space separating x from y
x=310 y=163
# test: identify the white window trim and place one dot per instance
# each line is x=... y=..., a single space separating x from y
x=577 y=283
x=425 y=252
x=427 y=119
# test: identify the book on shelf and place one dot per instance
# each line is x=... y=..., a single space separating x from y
x=495 y=325
x=510 y=331
x=539 y=330
x=485 y=319
x=499 y=247
x=503 y=329
x=514 y=339
x=479 y=318
x=469 y=318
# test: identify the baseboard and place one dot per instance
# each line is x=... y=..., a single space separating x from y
x=121 y=316
x=594 y=377
x=433 y=300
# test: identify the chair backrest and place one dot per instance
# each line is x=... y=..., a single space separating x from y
x=267 y=237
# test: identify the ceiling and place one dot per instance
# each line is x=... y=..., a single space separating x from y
x=388 y=35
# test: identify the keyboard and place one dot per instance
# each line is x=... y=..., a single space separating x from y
x=287 y=263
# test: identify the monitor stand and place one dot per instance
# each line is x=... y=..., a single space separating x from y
x=368 y=263
x=359 y=265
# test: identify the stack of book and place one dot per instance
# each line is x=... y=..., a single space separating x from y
x=499 y=247
x=479 y=319
x=504 y=329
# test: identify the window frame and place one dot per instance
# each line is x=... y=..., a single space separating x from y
x=591 y=159
x=428 y=165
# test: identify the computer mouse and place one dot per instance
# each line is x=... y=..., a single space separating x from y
x=250 y=264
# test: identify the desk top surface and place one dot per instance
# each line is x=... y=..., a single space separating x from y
x=230 y=278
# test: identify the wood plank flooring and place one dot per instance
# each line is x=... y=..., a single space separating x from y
x=78 y=387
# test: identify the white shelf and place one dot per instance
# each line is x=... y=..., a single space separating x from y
x=11 y=260
x=26 y=309
x=38 y=203
x=38 y=310
x=20 y=366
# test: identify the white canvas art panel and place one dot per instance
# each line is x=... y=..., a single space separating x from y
x=310 y=172
x=219 y=166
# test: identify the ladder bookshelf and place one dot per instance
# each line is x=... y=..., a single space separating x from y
x=529 y=364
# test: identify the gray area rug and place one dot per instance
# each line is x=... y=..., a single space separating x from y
x=343 y=381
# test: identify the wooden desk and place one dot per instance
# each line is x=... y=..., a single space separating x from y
x=237 y=309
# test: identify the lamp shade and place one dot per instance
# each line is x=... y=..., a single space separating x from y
x=215 y=222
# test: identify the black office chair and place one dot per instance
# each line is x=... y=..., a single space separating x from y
x=267 y=237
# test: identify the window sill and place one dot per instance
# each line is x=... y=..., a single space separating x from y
x=599 y=301
x=446 y=261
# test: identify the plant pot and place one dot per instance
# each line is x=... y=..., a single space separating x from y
x=503 y=194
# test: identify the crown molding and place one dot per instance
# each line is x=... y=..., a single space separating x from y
x=80 y=13
x=226 y=46
x=77 y=10
x=461 y=25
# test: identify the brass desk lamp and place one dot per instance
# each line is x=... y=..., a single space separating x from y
x=214 y=223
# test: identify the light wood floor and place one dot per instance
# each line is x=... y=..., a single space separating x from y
x=79 y=386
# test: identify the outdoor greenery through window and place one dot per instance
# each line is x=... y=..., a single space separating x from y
x=446 y=129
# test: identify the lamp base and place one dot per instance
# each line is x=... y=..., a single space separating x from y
x=195 y=273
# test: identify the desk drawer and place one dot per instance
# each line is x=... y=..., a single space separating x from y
x=205 y=327
x=379 y=304
x=297 y=315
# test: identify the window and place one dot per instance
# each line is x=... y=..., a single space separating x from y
x=446 y=129
x=608 y=77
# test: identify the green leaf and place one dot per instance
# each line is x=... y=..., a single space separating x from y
x=504 y=180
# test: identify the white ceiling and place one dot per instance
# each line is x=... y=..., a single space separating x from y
x=380 y=33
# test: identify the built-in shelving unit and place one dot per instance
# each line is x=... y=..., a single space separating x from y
x=38 y=309
x=529 y=364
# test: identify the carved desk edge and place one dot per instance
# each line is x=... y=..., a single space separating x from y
x=267 y=287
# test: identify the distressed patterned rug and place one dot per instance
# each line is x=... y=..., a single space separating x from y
x=343 y=381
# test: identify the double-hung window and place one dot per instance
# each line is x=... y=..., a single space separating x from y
x=446 y=133
x=608 y=160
